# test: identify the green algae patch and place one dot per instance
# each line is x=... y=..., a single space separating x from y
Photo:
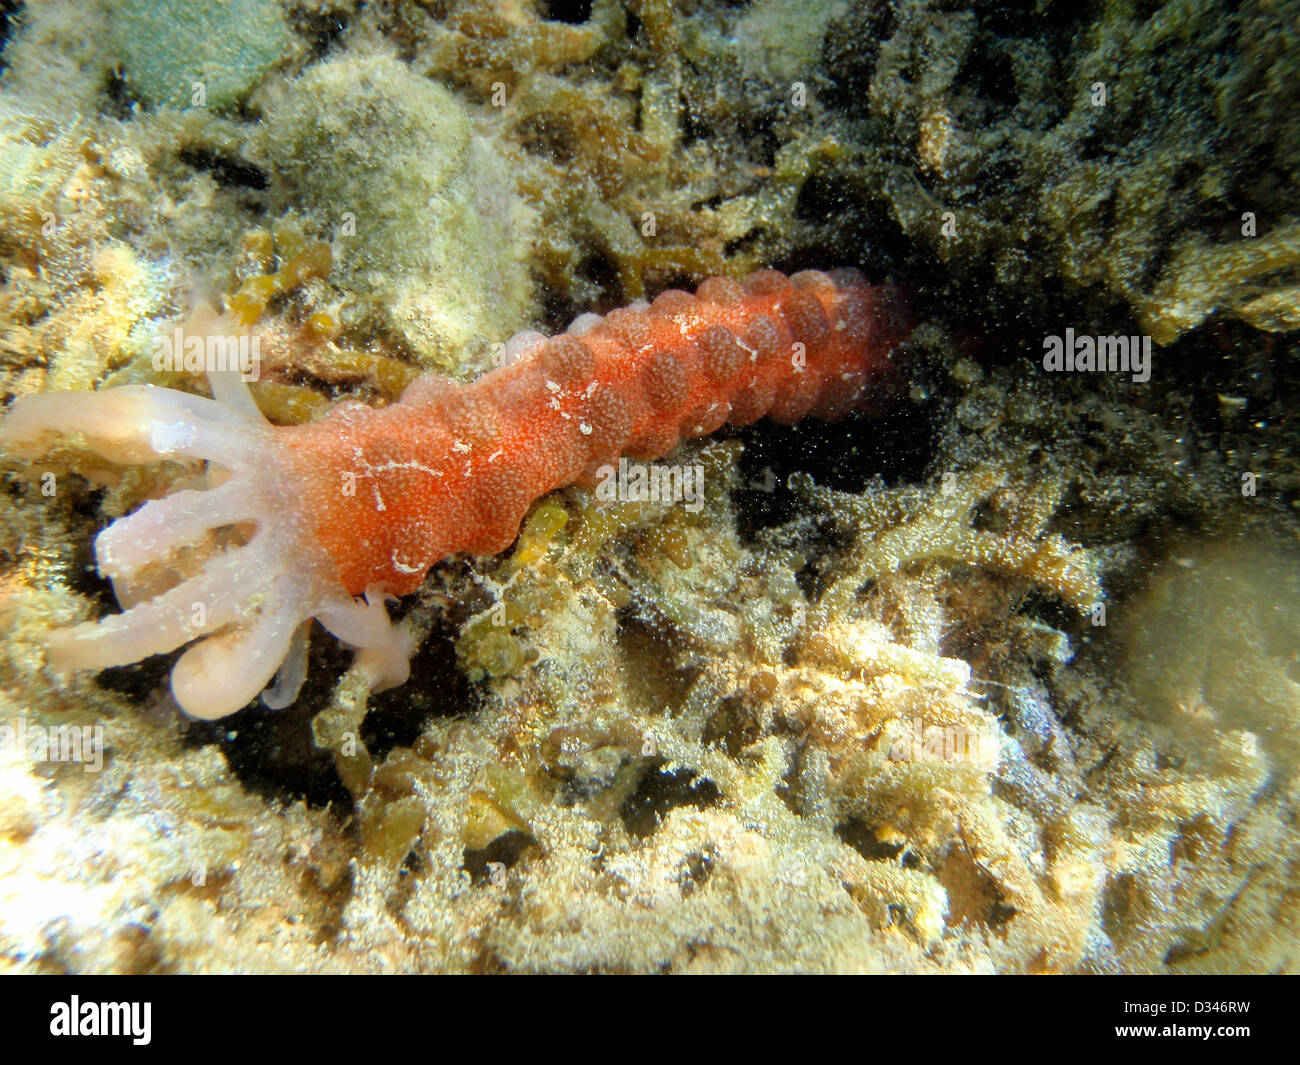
x=423 y=212
x=200 y=53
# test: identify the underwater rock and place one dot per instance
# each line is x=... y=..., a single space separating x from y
x=419 y=203
x=202 y=53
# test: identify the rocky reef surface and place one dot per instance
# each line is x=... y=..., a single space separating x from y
x=1003 y=679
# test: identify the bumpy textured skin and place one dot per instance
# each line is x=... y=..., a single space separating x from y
x=453 y=468
x=364 y=501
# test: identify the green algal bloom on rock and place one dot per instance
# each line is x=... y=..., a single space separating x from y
x=226 y=46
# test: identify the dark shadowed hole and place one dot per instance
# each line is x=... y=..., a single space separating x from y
x=1000 y=172
x=1048 y=610
x=1096 y=144
x=989 y=72
x=10 y=10
x=273 y=752
x=862 y=838
x=141 y=682
x=858 y=222
x=226 y=170
x=1014 y=19
x=574 y=12
x=743 y=243
x=822 y=198
x=844 y=455
x=84 y=576
x=601 y=270
x=659 y=792
x=733 y=724
x=322 y=30
x=506 y=850
x=1000 y=913
x=119 y=103
x=663 y=280
x=1116 y=902
x=437 y=688
x=761 y=140
x=694 y=127
x=850 y=50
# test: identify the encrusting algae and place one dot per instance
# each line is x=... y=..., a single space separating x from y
x=996 y=677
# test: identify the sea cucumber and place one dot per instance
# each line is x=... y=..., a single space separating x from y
x=359 y=505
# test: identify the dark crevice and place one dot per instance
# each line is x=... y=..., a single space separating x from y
x=321 y=29
x=436 y=688
x=600 y=270
x=226 y=170
x=989 y=75
x=119 y=102
x=506 y=850
x=574 y=12
x=659 y=792
x=10 y=19
x=273 y=752
x=863 y=838
x=845 y=455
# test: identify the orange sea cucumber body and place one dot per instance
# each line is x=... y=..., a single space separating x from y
x=453 y=468
x=362 y=503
